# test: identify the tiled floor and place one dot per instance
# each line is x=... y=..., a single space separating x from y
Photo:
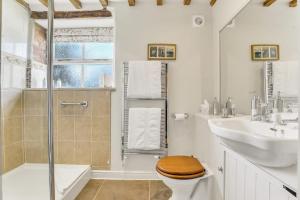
x=124 y=190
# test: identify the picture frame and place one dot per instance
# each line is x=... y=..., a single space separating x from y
x=265 y=52
x=161 y=51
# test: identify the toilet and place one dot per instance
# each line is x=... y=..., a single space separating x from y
x=183 y=175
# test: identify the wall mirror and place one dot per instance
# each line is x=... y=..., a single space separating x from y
x=260 y=55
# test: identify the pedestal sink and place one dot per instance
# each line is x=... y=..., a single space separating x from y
x=259 y=142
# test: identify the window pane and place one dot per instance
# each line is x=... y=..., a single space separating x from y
x=97 y=76
x=68 y=51
x=67 y=76
x=98 y=50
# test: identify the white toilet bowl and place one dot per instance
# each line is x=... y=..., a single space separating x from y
x=185 y=176
x=186 y=189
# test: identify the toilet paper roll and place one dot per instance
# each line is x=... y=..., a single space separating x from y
x=179 y=116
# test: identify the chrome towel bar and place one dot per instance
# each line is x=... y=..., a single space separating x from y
x=84 y=104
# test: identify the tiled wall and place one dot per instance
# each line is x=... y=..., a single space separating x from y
x=12 y=129
x=82 y=135
x=13 y=82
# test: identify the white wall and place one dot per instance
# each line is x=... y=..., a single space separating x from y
x=14 y=44
x=14 y=28
x=255 y=24
x=206 y=145
x=172 y=23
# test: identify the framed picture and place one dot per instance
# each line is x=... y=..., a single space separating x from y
x=265 y=52
x=161 y=51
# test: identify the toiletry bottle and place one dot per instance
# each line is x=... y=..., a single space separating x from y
x=279 y=103
x=228 y=106
x=255 y=108
x=216 y=107
x=233 y=110
x=58 y=83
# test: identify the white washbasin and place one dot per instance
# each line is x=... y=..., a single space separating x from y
x=256 y=140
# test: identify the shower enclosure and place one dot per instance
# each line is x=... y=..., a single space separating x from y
x=56 y=78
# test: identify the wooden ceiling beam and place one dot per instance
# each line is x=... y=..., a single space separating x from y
x=76 y=3
x=74 y=14
x=44 y=2
x=268 y=3
x=104 y=3
x=159 y=2
x=24 y=4
x=293 y=3
x=186 y=2
x=212 y=2
x=131 y=2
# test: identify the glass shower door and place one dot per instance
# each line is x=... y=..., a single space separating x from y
x=24 y=100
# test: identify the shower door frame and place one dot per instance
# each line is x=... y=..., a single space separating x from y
x=50 y=98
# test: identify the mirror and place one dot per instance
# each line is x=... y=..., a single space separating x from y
x=260 y=55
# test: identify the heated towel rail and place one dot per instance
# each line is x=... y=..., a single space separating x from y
x=146 y=102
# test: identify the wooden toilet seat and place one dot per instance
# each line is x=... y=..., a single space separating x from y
x=180 y=167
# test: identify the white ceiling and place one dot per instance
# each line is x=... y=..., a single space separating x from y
x=65 y=5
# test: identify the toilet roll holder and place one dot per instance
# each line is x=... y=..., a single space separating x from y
x=186 y=115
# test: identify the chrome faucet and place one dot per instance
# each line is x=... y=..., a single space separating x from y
x=260 y=111
x=256 y=109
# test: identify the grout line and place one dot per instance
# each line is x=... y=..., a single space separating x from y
x=149 y=190
x=98 y=190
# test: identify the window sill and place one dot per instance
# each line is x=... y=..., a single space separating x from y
x=112 y=89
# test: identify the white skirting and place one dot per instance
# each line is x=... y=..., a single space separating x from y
x=124 y=175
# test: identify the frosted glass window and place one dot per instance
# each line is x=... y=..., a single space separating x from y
x=67 y=76
x=87 y=65
x=94 y=50
x=97 y=76
x=68 y=51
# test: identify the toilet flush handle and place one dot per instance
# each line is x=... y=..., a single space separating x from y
x=220 y=169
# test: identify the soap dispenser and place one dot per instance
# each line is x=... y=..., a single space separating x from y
x=228 y=105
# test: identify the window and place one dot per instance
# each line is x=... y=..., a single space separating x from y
x=83 y=61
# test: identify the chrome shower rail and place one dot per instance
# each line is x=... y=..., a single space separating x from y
x=84 y=104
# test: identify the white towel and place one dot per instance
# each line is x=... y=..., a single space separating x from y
x=144 y=79
x=144 y=128
x=285 y=78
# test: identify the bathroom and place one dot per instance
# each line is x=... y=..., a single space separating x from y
x=206 y=51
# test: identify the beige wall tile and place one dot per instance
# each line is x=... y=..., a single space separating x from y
x=83 y=128
x=34 y=128
x=66 y=125
x=66 y=152
x=34 y=152
x=13 y=130
x=100 y=103
x=81 y=136
x=100 y=153
x=34 y=102
x=13 y=156
x=83 y=153
x=101 y=129
x=12 y=103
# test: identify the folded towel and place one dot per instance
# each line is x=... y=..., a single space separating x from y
x=144 y=128
x=285 y=78
x=144 y=79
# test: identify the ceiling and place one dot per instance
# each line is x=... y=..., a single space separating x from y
x=65 y=5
